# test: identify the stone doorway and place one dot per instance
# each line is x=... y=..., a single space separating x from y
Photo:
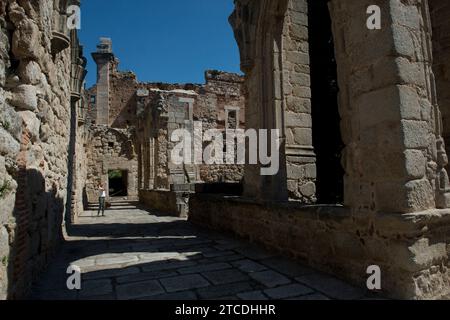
x=327 y=139
x=118 y=183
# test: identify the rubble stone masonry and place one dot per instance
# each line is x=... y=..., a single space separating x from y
x=35 y=118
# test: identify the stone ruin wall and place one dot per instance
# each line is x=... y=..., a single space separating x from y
x=109 y=149
x=80 y=195
x=396 y=211
x=163 y=108
x=222 y=90
x=122 y=111
x=35 y=96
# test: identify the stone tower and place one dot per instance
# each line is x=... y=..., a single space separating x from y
x=105 y=59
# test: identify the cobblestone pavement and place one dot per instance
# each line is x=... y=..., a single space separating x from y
x=133 y=254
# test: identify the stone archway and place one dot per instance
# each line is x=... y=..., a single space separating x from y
x=395 y=181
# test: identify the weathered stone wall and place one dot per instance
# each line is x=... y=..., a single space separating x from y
x=35 y=113
x=165 y=108
x=394 y=155
x=411 y=250
x=300 y=157
x=80 y=199
x=165 y=202
x=110 y=149
x=221 y=96
x=122 y=112
x=394 y=158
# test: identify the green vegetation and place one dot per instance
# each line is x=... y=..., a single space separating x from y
x=5 y=124
x=114 y=174
x=4 y=189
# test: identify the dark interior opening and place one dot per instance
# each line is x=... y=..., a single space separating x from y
x=118 y=183
x=327 y=138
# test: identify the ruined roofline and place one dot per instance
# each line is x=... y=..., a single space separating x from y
x=212 y=74
x=218 y=75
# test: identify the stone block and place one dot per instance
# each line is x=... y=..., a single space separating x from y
x=30 y=72
x=139 y=290
x=300 y=18
x=225 y=276
x=299 y=32
x=303 y=136
x=297 y=57
x=301 y=92
x=249 y=266
x=405 y=14
x=420 y=195
x=416 y=164
x=182 y=283
x=301 y=79
x=254 y=252
x=299 y=6
x=225 y=290
x=26 y=40
x=95 y=288
x=298 y=105
x=252 y=296
x=403 y=41
x=287 y=267
x=416 y=134
x=289 y=291
x=332 y=287
x=301 y=120
x=388 y=104
x=8 y=145
x=204 y=268
x=269 y=278
x=24 y=97
x=32 y=123
x=9 y=119
x=427 y=254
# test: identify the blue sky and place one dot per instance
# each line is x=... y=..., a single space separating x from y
x=162 y=40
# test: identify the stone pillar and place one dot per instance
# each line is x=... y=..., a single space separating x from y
x=262 y=61
x=300 y=155
x=390 y=120
x=104 y=59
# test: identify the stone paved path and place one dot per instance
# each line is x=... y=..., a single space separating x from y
x=133 y=254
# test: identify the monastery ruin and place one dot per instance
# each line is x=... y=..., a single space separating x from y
x=363 y=115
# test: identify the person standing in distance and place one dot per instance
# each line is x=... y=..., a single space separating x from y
x=101 y=200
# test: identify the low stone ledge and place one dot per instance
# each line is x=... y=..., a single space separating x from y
x=412 y=250
x=165 y=202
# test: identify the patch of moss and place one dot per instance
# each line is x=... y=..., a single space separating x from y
x=4 y=261
x=4 y=189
